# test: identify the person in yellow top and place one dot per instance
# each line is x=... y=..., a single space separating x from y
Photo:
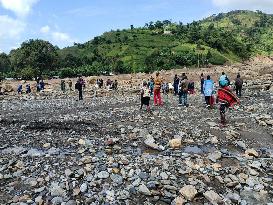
x=157 y=87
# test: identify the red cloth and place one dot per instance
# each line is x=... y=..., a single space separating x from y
x=226 y=96
x=157 y=97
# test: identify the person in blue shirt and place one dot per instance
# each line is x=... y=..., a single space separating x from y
x=208 y=91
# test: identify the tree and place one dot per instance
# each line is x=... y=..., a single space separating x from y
x=5 y=64
x=36 y=54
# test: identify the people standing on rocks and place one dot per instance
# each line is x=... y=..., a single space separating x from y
x=226 y=99
x=70 y=85
x=175 y=84
x=191 y=87
x=157 y=89
x=42 y=85
x=20 y=89
x=202 y=80
x=183 y=91
x=208 y=91
x=79 y=87
x=63 y=86
x=223 y=81
x=238 y=85
x=151 y=86
x=115 y=85
x=145 y=96
x=28 y=89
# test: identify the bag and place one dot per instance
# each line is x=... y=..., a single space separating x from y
x=77 y=86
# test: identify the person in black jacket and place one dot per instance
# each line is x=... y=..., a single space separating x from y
x=79 y=86
x=176 y=81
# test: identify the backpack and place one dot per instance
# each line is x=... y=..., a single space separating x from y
x=77 y=85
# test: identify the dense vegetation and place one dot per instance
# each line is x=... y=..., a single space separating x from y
x=219 y=39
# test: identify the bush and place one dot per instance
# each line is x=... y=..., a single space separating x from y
x=28 y=73
x=67 y=72
x=216 y=59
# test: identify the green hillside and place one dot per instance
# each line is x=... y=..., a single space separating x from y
x=219 y=39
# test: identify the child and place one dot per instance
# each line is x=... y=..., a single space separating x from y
x=145 y=96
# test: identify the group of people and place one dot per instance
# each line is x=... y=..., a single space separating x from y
x=20 y=89
x=183 y=87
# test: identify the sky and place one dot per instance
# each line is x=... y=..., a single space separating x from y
x=63 y=22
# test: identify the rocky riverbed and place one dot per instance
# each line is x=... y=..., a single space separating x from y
x=104 y=150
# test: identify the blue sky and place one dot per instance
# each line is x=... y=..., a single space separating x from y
x=64 y=22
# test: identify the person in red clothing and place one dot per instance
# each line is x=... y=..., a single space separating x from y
x=226 y=99
x=157 y=88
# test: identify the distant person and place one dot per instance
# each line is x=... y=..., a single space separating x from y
x=191 y=88
x=208 y=91
x=165 y=88
x=151 y=86
x=42 y=85
x=175 y=84
x=202 y=80
x=38 y=87
x=28 y=89
x=238 y=85
x=224 y=81
x=63 y=86
x=183 y=91
x=20 y=89
x=70 y=85
x=115 y=85
x=79 y=87
x=157 y=89
x=145 y=96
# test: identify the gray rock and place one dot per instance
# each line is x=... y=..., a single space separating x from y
x=84 y=187
x=144 y=190
x=103 y=175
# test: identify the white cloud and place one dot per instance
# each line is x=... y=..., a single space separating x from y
x=20 y=7
x=10 y=28
x=61 y=37
x=264 y=5
x=57 y=37
x=45 y=29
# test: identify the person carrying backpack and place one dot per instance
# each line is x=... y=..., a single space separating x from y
x=79 y=86
x=183 y=91
x=238 y=85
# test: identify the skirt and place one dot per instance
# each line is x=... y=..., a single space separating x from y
x=145 y=101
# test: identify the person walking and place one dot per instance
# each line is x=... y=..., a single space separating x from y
x=202 y=80
x=157 y=89
x=238 y=85
x=145 y=96
x=63 y=86
x=183 y=91
x=70 y=85
x=79 y=87
x=208 y=91
x=226 y=99
x=175 y=84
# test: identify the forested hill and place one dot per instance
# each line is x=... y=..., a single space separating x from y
x=219 y=39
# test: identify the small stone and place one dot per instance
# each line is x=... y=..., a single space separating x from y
x=175 y=143
x=179 y=201
x=81 y=142
x=46 y=145
x=103 y=175
x=215 y=156
x=188 y=192
x=144 y=190
x=213 y=197
x=57 y=200
x=83 y=188
x=251 y=152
